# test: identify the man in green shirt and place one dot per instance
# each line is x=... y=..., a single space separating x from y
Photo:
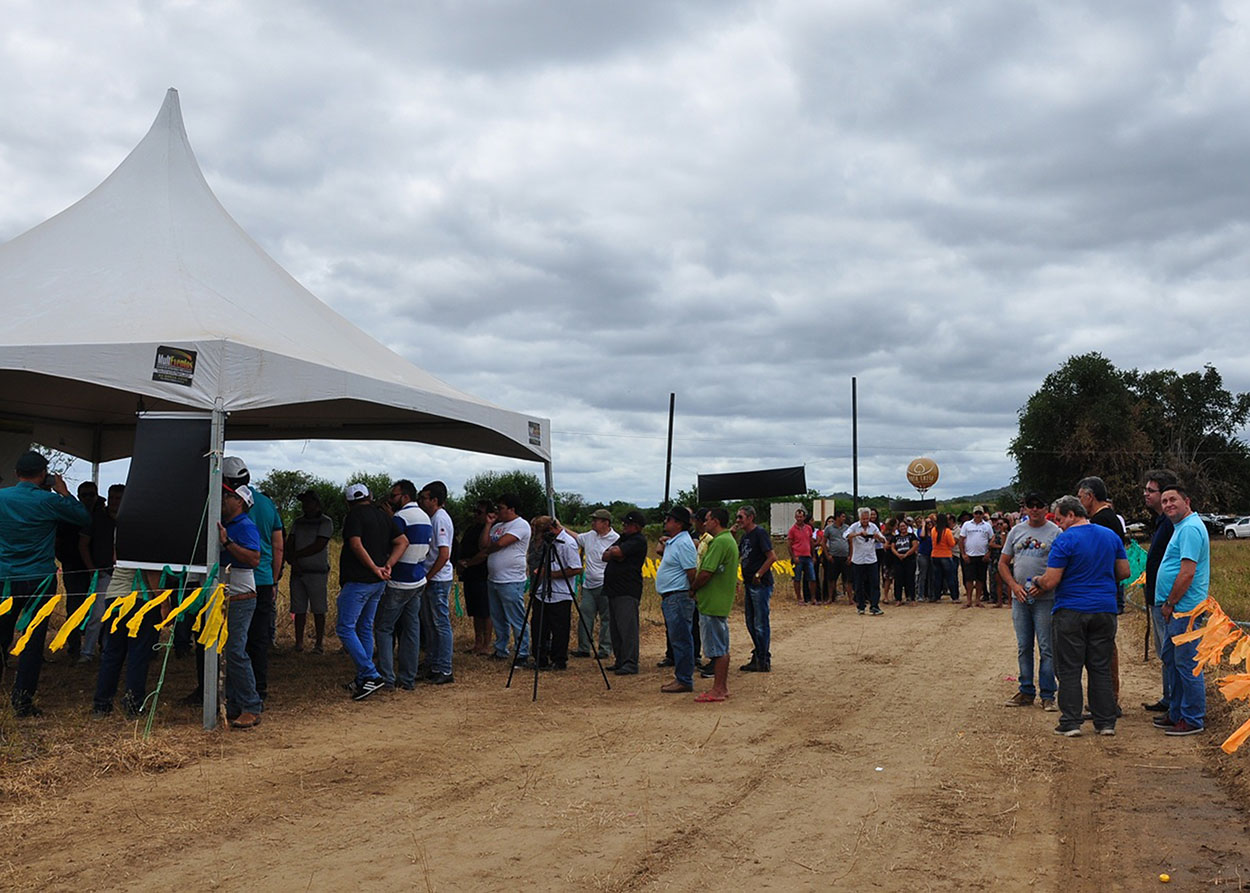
x=715 y=586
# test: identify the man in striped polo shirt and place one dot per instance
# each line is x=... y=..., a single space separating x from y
x=401 y=604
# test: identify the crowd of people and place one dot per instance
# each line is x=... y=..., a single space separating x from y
x=1060 y=566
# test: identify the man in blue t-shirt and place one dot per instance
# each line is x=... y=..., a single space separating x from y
x=1085 y=565
x=264 y=514
x=1184 y=577
x=240 y=553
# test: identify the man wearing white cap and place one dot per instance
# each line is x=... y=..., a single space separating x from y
x=264 y=514
x=372 y=544
x=240 y=553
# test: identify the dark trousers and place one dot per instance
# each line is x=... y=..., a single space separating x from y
x=120 y=649
x=258 y=636
x=429 y=634
x=623 y=622
x=1084 y=641
x=549 y=632
x=76 y=585
x=31 y=660
x=905 y=579
x=867 y=582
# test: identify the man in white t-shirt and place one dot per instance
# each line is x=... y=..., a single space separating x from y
x=505 y=540
x=593 y=602
x=974 y=549
x=438 y=573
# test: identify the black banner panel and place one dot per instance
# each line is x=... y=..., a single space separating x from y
x=753 y=484
x=162 y=519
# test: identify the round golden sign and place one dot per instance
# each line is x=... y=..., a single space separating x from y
x=922 y=472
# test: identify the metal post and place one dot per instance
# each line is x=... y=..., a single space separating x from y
x=551 y=490
x=668 y=467
x=97 y=438
x=855 y=442
x=217 y=447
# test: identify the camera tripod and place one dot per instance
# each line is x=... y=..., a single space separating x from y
x=542 y=583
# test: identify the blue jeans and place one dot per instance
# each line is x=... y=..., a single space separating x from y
x=241 y=696
x=398 y=607
x=678 y=608
x=436 y=592
x=1159 y=628
x=507 y=613
x=945 y=576
x=755 y=606
x=357 y=603
x=1033 y=622
x=1188 y=699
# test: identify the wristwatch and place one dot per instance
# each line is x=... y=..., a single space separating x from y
x=227 y=542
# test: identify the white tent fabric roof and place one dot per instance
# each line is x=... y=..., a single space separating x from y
x=149 y=260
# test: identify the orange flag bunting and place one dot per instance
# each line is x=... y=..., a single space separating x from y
x=1214 y=638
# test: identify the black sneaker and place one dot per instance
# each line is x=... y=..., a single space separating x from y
x=707 y=671
x=875 y=612
x=442 y=679
x=667 y=662
x=1157 y=706
x=1183 y=728
x=1163 y=721
x=1068 y=732
x=366 y=688
x=859 y=611
x=27 y=710
x=750 y=667
x=580 y=654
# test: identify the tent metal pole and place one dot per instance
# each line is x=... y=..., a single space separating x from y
x=97 y=438
x=551 y=490
x=217 y=448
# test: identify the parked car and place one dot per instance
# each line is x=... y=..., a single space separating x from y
x=1239 y=529
x=1215 y=524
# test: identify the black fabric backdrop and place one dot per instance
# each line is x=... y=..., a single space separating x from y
x=166 y=494
x=753 y=484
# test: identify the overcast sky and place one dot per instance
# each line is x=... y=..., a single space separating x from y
x=574 y=207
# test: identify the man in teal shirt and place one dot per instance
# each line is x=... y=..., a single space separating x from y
x=1184 y=576
x=29 y=513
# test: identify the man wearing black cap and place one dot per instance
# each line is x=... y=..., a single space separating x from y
x=673 y=579
x=622 y=583
x=309 y=559
x=29 y=513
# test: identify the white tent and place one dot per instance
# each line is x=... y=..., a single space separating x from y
x=147 y=290
x=147 y=295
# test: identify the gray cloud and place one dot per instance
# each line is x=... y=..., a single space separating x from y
x=573 y=209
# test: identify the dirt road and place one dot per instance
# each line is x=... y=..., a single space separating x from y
x=876 y=756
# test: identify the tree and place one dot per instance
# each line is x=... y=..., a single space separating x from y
x=1191 y=420
x=493 y=484
x=1090 y=418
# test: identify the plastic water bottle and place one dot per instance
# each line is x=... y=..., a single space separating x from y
x=1029 y=584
